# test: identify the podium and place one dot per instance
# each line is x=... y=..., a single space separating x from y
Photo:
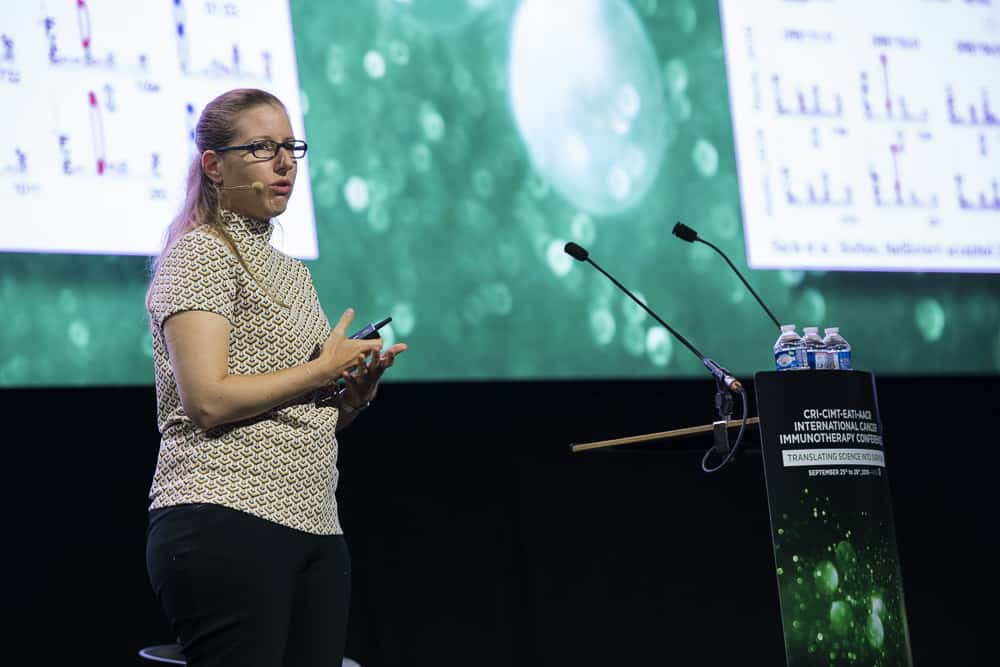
x=832 y=531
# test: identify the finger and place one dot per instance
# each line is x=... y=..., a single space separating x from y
x=352 y=383
x=351 y=366
x=368 y=346
x=361 y=348
x=352 y=372
x=391 y=354
x=344 y=322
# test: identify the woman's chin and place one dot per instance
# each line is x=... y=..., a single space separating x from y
x=276 y=206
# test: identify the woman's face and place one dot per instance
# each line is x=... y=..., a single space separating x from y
x=241 y=168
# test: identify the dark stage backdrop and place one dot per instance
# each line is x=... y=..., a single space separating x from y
x=479 y=539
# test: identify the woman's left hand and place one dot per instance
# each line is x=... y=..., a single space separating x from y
x=362 y=380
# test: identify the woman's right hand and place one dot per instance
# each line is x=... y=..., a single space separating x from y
x=341 y=353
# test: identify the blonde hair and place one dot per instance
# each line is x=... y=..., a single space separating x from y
x=216 y=127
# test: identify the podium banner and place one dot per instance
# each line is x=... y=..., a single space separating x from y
x=832 y=529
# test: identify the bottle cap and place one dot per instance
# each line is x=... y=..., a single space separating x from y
x=830 y=330
x=811 y=329
x=788 y=327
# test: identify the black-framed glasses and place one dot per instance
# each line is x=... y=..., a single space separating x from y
x=265 y=149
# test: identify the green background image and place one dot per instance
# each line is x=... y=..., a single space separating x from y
x=431 y=209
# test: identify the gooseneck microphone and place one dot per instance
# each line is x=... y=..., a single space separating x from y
x=579 y=253
x=724 y=381
x=685 y=233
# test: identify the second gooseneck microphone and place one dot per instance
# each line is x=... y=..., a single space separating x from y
x=685 y=233
x=577 y=252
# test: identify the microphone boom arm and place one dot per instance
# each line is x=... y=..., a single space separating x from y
x=724 y=379
x=656 y=317
x=725 y=383
x=740 y=275
x=685 y=233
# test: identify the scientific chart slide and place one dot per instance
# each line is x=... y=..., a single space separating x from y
x=867 y=134
x=101 y=97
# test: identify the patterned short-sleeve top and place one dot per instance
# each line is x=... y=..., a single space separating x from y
x=280 y=465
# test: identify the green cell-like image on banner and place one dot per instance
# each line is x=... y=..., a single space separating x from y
x=443 y=198
x=839 y=587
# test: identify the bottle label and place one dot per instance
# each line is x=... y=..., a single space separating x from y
x=843 y=360
x=823 y=360
x=787 y=360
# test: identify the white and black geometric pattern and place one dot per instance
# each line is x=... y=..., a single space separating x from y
x=280 y=465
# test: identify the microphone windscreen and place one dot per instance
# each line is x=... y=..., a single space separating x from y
x=576 y=252
x=685 y=233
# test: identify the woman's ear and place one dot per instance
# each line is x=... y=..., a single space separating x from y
x=211 y=166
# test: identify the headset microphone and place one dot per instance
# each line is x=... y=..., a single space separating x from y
x=256 y=186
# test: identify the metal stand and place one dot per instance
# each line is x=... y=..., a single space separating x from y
x=720 y=428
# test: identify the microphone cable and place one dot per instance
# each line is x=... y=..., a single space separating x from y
x=739 y=438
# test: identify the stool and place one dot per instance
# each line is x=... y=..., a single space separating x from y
x=170 y=654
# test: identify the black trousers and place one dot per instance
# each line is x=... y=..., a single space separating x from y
x=243 y=591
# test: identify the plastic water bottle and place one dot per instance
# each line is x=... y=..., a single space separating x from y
x=818 y=356
x=839 y=348
x=789 y=352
